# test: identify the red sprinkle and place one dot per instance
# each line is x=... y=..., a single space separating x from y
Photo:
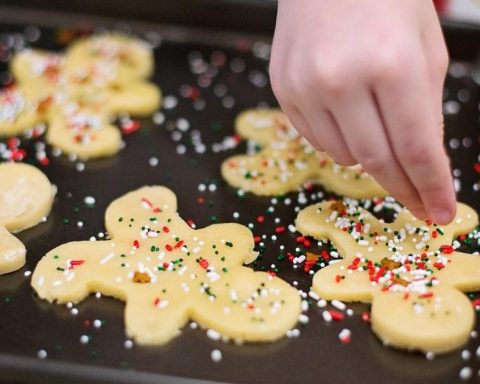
x=426 y=295
x=280 y=229
x=447 y=249
x=130 y=127
x=366 y=316
x=337 y=316
x=136 y=244
x=76 y=263
x=203 y=263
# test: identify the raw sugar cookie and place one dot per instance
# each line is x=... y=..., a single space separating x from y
x=286 y=161
x=408 y=269
x=20 y=109
x=133 y=56
x=26 y=197
x=84 y=131
x=168 y=273
x=79 y=94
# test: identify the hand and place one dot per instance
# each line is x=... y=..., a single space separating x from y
x=363 y=80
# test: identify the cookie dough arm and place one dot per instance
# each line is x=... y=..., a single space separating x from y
x=12 y=252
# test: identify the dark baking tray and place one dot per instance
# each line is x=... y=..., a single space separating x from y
x=28 y=324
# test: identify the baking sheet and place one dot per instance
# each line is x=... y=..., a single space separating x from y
x=28 y=325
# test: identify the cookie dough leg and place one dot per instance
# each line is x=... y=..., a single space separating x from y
x=154 y=318
x=251 y=306
x=439 y=324
x=12 y=252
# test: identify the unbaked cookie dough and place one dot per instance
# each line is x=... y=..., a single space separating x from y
x=168 y=273
x=407 y=269
x=79 y=94
x=133 y=57
x=286 y=161
x=26 y=197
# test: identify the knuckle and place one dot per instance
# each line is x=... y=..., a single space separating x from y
x=373 y=163
x=413 y=152
x=390 y=65
x=331 y=77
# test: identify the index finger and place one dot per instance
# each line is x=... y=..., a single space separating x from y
x=405 y=104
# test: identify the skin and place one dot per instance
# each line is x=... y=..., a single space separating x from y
x=363 y=80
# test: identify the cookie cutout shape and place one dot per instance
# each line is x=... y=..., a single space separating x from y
x=132 y=56
x=286 y=161
x=407 y=269
x=78 y=94
x=26 y=197
x=168 y=273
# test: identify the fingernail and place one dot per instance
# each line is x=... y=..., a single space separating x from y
x=441 y=216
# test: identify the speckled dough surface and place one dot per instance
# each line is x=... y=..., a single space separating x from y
x=26 y=197
x=286 y=161
x=409 y=270
x=169 y=273
x=78 y=94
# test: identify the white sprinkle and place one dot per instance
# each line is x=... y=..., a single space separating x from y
x=84 y=339
x=128 y=344
x=216 y=355
x=27 y=273
x=465 y=373
x=313 y=295
x=304 y=305
x=303 y=319
x=321 y=303
x=89 y=201
x=327 y=316
x=193 y=325
x=42 y=354
x=339 y=305
x=170 y=102
x=430 y=356
x=214 y=335
x=107 y=258
x=74 y=311
x=97 y=323
x=466 y=354
x=153 y=161
x=158 y=118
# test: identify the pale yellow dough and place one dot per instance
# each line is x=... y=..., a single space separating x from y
x=407 y=269
x=186 y=274
x=286 y=161
x=26 y=197
x=133 y=57
x=79 y=94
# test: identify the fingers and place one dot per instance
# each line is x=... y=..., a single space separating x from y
x=301 y=125
x=359 y=120
x=404 y=98
x=327 y=132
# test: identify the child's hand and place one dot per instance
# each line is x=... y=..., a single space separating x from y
x=363 y=81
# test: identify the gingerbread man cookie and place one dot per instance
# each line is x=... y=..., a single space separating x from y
x=133 y=57
x=286 y=161
x=168 y=273
x=78 y=94
x=26 y=197
x=409 y=270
